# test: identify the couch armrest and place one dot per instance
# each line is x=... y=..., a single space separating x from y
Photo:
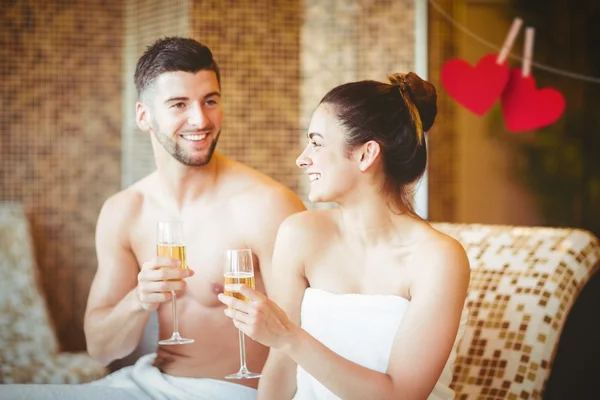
x=60 y=368
x=77 y=368
x=524 y=282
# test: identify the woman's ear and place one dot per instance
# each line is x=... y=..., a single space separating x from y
x=142 y=117
x=367 y=154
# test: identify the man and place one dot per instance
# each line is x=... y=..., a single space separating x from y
x=223 y=205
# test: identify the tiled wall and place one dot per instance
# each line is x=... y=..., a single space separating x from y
x=256 y=44
x=349 y=41
x=443 y=141
x=145 y=22
x=60 y=127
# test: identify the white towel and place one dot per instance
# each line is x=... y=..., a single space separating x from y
x=362 y=329
x=141 y=381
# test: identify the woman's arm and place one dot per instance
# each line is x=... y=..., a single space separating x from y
x=421 y=348
x=279 y=377
x=285 y=283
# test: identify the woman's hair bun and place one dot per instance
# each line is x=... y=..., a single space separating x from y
x=422 y=93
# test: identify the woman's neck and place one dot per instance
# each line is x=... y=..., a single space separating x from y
x=370 y=221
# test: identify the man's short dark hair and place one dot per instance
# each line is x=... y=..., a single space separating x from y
x=171 y=54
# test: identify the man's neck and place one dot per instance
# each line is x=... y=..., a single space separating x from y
x=185 y=184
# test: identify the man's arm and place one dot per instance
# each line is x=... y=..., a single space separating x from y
x=122 y=296
x=114 y=318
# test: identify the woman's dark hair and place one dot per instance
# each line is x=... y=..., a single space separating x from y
x=396 y=116
x=172 y=54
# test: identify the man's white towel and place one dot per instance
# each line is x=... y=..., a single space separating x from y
x=141 y=381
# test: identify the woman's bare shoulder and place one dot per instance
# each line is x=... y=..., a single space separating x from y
x=310 y=221
x=440 y=255
x=438 y=245
x=309 y=228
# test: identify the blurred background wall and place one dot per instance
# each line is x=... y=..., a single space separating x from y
x=480 y=172
x=471 y=174
x=61 y=74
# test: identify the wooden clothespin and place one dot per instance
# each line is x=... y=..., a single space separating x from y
x=528 y=51
x=510 y=39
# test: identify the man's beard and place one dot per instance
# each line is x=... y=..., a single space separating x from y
x=178 y=152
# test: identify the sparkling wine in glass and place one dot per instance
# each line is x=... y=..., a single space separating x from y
x=170 y=244
x=239 y=270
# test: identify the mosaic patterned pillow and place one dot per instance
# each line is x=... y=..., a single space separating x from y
x=28 y=345
x=524 y=281
x=25 y=328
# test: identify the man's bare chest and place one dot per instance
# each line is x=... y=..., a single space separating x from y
x=206 y=241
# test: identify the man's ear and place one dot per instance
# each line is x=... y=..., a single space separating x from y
x=367 y=154
x=142 y=116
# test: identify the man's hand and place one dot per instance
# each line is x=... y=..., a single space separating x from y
x=157 y=279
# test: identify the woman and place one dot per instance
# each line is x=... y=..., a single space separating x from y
x=378 y=291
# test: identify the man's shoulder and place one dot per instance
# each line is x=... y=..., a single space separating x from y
x=253 y=188
x=126 y=203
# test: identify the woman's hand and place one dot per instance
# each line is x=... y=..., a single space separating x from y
x=259 y=318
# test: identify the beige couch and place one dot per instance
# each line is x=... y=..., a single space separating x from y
x=29 y=350
x=524 y=284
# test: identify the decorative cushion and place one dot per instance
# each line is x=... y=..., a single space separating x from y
x=524 y=281
x=26 y=334
x=28 y=345
x=59 y=368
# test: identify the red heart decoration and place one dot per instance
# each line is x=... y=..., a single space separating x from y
x=475 y=88
x=525 y=108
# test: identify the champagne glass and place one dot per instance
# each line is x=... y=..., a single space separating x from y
x=239 y=270
x=170 y=244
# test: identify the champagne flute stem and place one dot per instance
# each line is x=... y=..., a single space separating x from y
x=243 y=367
x=175 y=321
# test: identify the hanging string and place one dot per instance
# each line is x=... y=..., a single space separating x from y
x=478 y=38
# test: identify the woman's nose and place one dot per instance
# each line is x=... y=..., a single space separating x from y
x=303 y=161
